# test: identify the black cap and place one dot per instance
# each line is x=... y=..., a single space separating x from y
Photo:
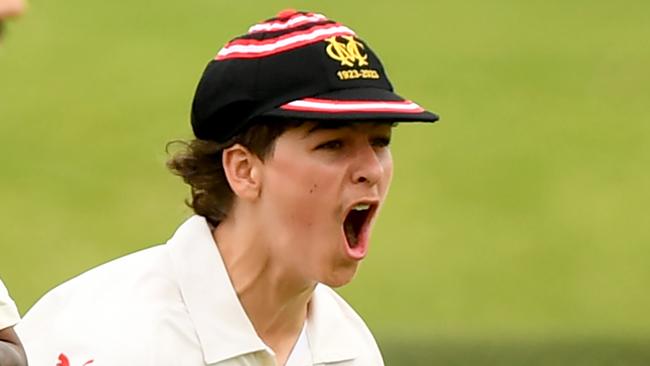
x=297 y=65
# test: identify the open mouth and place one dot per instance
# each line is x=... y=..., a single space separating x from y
x=356 y=224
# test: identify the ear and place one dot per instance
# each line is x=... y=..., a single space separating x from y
x=242 y=169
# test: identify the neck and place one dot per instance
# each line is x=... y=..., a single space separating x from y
x=274 y=299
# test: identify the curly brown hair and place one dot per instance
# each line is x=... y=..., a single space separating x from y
x=199 y=163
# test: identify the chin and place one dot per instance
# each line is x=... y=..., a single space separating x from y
x=341 y=276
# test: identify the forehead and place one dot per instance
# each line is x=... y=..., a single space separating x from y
x=311 y=127
x=301 y=133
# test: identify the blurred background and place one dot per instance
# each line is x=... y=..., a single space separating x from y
x=517 y=228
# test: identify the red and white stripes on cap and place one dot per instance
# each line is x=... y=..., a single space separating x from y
x=253 y=48
x=297 y=65
x=293 y=21
x=352 y=106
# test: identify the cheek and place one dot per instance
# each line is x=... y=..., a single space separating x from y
x=293 y=179
x=302 y=192
x=387 y=163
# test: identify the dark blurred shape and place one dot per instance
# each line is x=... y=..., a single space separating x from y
x=584 y=352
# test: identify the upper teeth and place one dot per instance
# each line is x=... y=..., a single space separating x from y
x=361 y=207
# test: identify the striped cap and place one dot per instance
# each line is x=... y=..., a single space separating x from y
x=298 y=65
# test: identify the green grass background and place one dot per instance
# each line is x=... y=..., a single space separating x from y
x=517 y=228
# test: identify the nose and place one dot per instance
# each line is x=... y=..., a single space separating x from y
x=368 y=167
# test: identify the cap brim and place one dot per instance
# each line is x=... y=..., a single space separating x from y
x=359 y=104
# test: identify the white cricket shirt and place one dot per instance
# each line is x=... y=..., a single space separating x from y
x=8 y=312
x=174 y=304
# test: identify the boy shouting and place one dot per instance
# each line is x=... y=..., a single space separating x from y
x=288 y=171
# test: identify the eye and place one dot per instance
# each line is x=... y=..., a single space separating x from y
x=330 y=145
x=381 y=141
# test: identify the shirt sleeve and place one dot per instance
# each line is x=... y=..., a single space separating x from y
x=8 y=312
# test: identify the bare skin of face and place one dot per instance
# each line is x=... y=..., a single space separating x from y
x=301 y=216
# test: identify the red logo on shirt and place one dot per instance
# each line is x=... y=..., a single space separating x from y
x=63 y=361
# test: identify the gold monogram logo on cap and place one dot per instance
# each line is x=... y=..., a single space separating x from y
x=347 y=53
x=350 y=52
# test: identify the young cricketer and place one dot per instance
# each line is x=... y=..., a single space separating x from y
x=289 y=169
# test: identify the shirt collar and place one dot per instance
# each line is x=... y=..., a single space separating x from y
x=222 y=326
x=330 y=332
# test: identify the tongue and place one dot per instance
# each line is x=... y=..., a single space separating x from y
x=350 y=233
x=353 y=225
